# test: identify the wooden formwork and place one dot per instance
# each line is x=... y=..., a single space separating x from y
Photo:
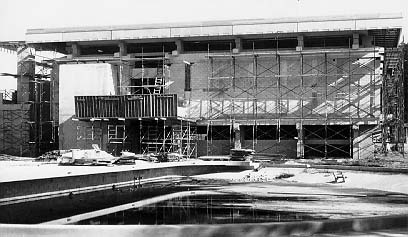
x=15 y=130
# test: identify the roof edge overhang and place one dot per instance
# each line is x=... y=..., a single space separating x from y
x=377 y=16
x=234 y=28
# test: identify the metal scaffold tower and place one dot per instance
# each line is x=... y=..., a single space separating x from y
x=31 y=104
x=41 y=99
x=392 y=126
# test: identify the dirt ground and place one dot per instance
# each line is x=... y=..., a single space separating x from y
x=307 y=190
x=388 y=182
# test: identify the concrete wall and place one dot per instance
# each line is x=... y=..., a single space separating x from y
x=80 y=79
x=363 y=145
x=283 y=147
x=38 y=186
x=337 y=87
x=351 y=77
x=216 y=147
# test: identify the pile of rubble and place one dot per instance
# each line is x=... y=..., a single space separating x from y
x=96 y=156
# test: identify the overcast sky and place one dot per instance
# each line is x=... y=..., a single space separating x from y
x=16 y=16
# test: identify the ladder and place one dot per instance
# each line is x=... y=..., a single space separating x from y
x=158 y=82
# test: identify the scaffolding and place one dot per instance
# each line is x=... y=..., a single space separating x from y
x=149 y=113
x=143 y=74
x=332 y=97
x=150 y=75
x=392 y=125
x=168 y=136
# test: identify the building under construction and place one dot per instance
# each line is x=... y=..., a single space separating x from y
x=329 y=87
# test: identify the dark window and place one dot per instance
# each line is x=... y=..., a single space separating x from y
x=216 y=45
x=331 y=132
x=288 y=132
x=151 y=47
x=220 y=132
x=116 y=133
x=201 y=129
x=330 y=41
x=249 y=44
x=99 y=50
x=187 y=79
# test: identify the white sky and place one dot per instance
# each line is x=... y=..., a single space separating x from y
x=16 y=16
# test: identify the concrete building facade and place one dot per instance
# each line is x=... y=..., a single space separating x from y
x=312 y=87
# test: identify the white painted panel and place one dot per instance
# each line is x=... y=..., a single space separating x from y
x=141 y=33
x=264 y=28
x=201 y=31
x=326 y=26
x=378 y=23
x=46 y=37
x=82 y=79
x=87 y=36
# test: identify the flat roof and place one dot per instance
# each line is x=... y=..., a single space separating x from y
x=217 y=28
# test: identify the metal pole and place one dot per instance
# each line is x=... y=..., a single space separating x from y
x=326 y=107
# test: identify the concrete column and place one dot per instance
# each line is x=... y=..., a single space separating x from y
x=126 y=74
x=238 y=45
x=300 y=45
x=76 y=50
x=122 y=48
x=356 y=142
x=25 y=72
x=242 y=137
x=300 y=147
x=28 y=92
x=180 y=47
x=356 y=41
x=55 y=92
x=55 y=101
x=237 y=137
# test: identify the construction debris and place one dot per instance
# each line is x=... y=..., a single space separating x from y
x=93 y=156
x=96 y=156
x=49 y=156
x=241 y=154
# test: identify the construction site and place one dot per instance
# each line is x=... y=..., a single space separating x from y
x=286 y=105
x=308 y=91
